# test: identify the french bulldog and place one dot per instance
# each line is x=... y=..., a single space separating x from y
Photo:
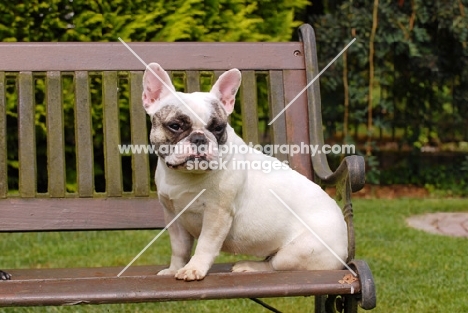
x=237 y=212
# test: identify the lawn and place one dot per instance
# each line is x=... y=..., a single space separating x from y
x=414 y=271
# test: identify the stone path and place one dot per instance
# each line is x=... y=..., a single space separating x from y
x=449 y=224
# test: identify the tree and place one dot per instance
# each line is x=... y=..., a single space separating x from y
x=416 y=92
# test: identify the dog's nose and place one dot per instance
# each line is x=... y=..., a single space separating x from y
x=198 y=139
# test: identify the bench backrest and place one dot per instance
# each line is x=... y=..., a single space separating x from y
x=107 y=78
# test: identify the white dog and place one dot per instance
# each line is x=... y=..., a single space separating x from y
x=237 y=212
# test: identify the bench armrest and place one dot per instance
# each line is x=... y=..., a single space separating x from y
x=350 y=175
x=352 y=168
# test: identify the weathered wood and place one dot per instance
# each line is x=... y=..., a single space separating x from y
x=140 y=284
x=314 y=102
x=248 y=96
x=277 y=104
x=216 y=75
x=58 y=214
x=297 y=128
x=139 y=134
x=3 y=139
x=26 y=135
x=112 y=157
x=192 y=81
x=100 y=56
x=321 y=168
x=83 y=136
x=55 y=136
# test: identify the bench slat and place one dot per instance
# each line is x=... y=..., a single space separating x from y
x=139 y=135
x=140 y=284
x=113 y=163
x=297 y=128
x=99 y=56
x=55 y=136
x=62 y=214
x=83 y=135
x=249 y=112
x=276 y=105
x=216 y=75
x=3 y=136
x=26 y=135
x=192 y=81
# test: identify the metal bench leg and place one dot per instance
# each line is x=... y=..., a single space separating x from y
x=336 y=304
x=350 y=304
x=320 y=304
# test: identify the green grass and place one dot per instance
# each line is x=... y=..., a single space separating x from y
x=414 y=271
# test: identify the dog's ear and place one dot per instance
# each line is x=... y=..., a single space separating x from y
x=156 y=86
x=226 y=87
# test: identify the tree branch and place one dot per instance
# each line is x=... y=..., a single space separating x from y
x=461 y=7
x=346 y=96
x=371 y=77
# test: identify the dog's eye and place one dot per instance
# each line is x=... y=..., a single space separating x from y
x=174 y=126
x=219 y=128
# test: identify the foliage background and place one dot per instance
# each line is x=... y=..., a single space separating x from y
x=399 y=93
x=140 y=20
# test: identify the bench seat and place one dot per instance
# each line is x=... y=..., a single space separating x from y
x=31 y=287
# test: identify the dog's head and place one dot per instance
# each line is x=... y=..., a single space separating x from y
x=188 y=127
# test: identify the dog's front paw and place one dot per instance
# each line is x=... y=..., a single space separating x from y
x=189 y=273
x=4 y=276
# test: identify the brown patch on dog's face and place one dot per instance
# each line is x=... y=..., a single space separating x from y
x=172 y=132
x=169 y=126
x=217 y=123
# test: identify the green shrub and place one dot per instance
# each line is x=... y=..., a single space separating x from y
x=105 y=20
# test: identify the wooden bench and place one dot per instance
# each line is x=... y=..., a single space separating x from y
x=286 y=67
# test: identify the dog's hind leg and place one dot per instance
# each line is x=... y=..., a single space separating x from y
x=306 y=252
x=253 y=266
